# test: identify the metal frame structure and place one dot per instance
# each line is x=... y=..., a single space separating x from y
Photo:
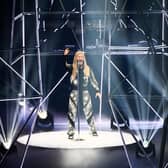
x=111 y=50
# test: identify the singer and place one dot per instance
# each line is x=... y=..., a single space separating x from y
x=79 y=64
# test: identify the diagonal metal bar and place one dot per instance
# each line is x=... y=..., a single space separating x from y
x=103 y=50
x=136 y=90
x=28 y=119
x=20 y=98
x=121 y=134
x=112 y=107
x=62 y=5
x=34 y=121
x=20 y=76
x=3 y=131
x=76 y=38
x=17 y=59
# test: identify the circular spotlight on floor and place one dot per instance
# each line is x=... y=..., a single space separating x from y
x=44 y=121
x=59 y=139
x=148 y=150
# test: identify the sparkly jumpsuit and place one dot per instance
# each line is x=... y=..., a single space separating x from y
x=87 y=103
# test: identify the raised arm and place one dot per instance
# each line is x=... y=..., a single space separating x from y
x=66 y=52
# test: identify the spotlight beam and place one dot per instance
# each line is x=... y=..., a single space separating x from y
x=136 y=90
x=41 y=103
x=3 y=132
x=29 y=117
x=120 y=131
x=28 y=140
x=15 y=124
x=151 y=132
x=130 y=72
x=21 y=130
x=121 y=134
x=104 y=140
x=20 y=76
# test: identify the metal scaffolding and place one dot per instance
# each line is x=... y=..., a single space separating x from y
x=107 y=50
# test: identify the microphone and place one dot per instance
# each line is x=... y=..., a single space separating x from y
x=80 y=64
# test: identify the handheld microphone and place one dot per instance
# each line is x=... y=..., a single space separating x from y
x=80 y=64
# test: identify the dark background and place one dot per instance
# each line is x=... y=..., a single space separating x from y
x=53 y=43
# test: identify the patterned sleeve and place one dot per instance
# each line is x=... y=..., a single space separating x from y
x=93 y=81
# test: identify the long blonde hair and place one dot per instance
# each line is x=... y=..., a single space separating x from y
x=75 y=67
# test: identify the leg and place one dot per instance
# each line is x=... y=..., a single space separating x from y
x=88 y=111
x=72 y=115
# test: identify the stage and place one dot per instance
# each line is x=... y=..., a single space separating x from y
x=84 y=140
x=53 y=149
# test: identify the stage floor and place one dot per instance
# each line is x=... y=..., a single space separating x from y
x=84 y=140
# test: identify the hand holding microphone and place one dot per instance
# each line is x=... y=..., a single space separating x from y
x=66 y=51
x=80 y=64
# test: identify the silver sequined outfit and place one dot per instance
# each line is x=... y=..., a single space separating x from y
x=87 y=103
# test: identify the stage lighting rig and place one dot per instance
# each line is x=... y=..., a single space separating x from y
x=5 y=146
x=44 y=120
x=147 y=149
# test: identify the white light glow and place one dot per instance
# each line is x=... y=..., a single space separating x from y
x=42 y=114
x=21 y=102
x=60 y=140
x=145 y=144
x=7 y=144
x=136 y=125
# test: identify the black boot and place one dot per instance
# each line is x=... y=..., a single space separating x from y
x=94 y=133
x=70 y=136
